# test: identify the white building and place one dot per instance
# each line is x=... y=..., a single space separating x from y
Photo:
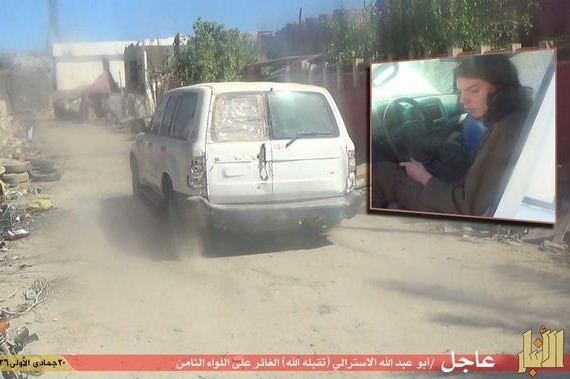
x=79 y=64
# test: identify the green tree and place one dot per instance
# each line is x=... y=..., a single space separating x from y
x=214 y=53
x=421 y=28
x=352 y=35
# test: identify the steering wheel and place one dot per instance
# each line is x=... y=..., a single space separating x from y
x=415 y=130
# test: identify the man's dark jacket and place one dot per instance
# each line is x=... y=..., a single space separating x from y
x=505 y=120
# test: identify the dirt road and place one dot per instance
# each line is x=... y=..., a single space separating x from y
x=377 y=284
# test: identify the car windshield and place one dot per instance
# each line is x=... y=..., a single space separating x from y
x=300 y=114
x=413 y=78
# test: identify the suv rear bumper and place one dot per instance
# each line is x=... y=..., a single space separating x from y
x=320 y=213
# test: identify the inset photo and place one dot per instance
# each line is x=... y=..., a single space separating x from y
x=472 y=136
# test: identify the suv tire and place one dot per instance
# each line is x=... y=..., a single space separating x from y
x=167 y=207
x=186 y=236
x=135 y=181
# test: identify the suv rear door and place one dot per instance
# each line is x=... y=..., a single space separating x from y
x=310 y=159
x=147 y=142
x=238 y=149
x=178 y=156
x=159 y=147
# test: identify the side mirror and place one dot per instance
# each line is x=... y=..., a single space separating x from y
x=140 y=125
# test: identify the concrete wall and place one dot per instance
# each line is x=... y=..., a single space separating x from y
x=135 y=69
x=79 y=64
x=73 y=75
x=141 y=60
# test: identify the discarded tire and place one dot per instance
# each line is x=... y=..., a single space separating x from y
x=46 y=175
x=16 y=178
x=42 y=164
x=17 y=167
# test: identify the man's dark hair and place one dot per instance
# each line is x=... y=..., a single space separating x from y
x=496 y=69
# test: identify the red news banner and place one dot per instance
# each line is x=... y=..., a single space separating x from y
x=357 y=363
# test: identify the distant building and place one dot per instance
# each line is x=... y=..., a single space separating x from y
x=265 y=36
x=25 y=62
x=309 y=36
x=146 y=64
x=31 y=62
x=144 y=57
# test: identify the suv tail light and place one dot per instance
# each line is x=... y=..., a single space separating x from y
x=351 y=182
x=197 y=179
x=351 y=161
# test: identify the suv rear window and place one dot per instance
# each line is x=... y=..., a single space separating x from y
x=239 y=117
x=300 y=113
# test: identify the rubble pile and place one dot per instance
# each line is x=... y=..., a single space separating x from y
x=15 y=136
x=514 y=235
x=13 y=306
x=21 y=166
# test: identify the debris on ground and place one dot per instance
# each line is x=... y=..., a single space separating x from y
x=12 y=224
x=18 y=154
x=16 y=234
x=40 y=288
x=362 y=173
x=514 y=235
x=21 y=164
x=39 y=206
x=553 y=247
x=30 y=295
x=18 y=172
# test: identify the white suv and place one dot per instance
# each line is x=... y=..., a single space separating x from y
x=249 y=155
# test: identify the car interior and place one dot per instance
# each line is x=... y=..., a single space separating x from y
x=431 y=128
x=416 y=113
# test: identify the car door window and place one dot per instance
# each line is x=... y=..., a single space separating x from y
x=239 y=117
x=183 y=120
x=158 y=116
x=168 y=115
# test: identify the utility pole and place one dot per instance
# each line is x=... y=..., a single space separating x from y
x=53 y=32
x=53 y=22
x=53 y=37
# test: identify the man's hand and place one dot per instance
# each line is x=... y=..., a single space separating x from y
x=417 y=171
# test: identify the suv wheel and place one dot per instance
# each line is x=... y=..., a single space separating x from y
x=167 y=207
x=184 y=237
x=135 y=182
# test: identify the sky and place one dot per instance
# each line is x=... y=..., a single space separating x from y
x=24 y=24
